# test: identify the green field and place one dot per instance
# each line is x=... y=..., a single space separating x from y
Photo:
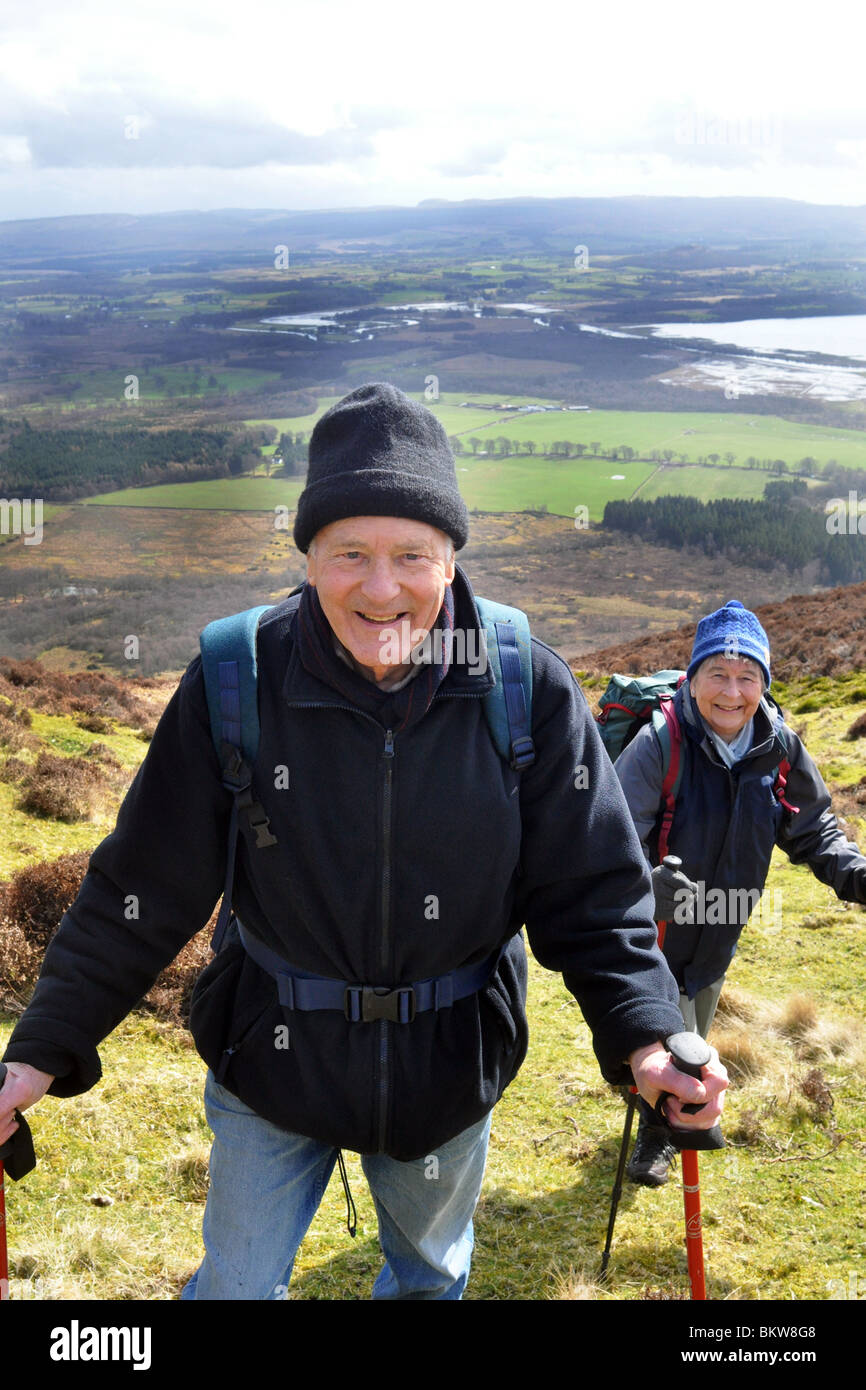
x=258 y=494
x=453 y=419
x=497 y=484
x=704 y=483
x=160 y=383
x=694 y=433
x=685 y=432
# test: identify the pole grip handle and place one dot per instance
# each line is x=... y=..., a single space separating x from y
x=690 y=1054
x=17 y=1153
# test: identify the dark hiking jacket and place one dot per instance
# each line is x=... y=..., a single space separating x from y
x=406 y=848
x=725 y=825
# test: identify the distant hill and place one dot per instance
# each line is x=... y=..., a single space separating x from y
x=820 y=634
x=488 y=227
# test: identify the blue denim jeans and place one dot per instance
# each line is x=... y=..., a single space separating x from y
x=266 y=1186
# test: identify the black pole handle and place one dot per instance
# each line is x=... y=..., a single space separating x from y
x=690 y=1054
x=17 y=1153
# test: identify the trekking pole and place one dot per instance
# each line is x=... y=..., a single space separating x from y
x=19 y=1160
x=617 y=1182
x=674 y=863
x=690 y=1054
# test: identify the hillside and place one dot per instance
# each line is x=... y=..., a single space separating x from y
x=820 y=634
x=113 y=1210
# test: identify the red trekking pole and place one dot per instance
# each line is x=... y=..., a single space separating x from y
x=690 y=1054
x=4 y=1254
x=19 y=1158
x=685 y=1060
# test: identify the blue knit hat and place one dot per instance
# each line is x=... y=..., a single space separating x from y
x=734 y=631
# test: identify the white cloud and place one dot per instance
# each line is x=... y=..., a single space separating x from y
x=334 y=103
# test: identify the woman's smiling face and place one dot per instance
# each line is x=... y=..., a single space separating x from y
x=727 y=691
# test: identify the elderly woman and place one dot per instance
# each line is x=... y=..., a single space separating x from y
x=747 y=784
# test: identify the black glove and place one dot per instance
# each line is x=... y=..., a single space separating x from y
x=675 y=895
x=17 y=1154
x=699 y=1139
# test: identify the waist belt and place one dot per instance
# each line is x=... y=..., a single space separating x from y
x=366 y=1003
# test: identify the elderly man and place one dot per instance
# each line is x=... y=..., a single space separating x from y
x=402 y=857
x=747 y=783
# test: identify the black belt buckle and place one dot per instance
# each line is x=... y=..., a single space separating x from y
x=394 y=1005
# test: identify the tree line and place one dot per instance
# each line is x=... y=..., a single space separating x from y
x=502 y=447
x=778 y=530
x=61 y=465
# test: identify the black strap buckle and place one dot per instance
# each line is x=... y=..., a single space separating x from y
x=522 y=753
x=367 y=1003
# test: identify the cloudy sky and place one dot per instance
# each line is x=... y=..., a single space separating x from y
x=154 y=105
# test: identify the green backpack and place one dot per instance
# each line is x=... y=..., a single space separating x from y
x=626 y=705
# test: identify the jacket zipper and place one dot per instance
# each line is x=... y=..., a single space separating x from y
x=235 y=1047
x=385 y=956
x=385 y=945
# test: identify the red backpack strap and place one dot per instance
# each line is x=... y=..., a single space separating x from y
x=670 y=737
x=780 y=784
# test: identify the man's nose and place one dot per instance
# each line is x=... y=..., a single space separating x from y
x=380 y=582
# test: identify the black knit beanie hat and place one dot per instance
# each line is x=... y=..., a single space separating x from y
x=378 y=453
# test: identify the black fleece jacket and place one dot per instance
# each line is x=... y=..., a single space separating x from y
x=406 y=848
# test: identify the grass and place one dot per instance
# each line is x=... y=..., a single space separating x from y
x=687 y=432
x=160 y=383
x=705 y=483
x=772 y=1201
x=113 y=1211
x=256 y=494
x=491 y=483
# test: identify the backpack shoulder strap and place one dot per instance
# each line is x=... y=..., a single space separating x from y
x=508 y=706
x=669 y=735
x=230 y=669
x=783 y=769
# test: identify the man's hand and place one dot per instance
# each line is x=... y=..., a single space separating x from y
x=24 y=1085
x=675 y=895
x=654 y=1072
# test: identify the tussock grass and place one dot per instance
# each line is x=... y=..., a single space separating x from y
x=781 y=1204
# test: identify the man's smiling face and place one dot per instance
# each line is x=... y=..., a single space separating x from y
x=727 y=692
x=376 y=575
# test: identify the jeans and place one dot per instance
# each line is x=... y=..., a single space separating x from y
x=266 y=1186
x=698 y=1013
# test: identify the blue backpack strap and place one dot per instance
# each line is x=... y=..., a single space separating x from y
x=508 y=706
x=230 y=666
x=230 y=670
